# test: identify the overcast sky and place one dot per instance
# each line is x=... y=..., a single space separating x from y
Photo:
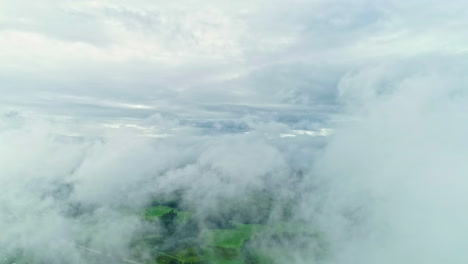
x=211 y=60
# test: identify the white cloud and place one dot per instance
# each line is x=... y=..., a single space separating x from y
x=214 y=84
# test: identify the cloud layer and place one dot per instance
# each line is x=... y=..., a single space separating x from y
x=110 y=60
x=106 y=104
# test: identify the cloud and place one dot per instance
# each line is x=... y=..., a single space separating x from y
x=106 y=104
x=396 y=173
x=77 y=188
x=144 y=53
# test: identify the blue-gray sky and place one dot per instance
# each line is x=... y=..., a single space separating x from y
x=284 y=60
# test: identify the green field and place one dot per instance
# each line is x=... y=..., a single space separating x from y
x=230 y=238
x=182 y=237
x=155 y=212
x=236 y=243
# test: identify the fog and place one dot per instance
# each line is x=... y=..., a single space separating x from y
x=351 y=114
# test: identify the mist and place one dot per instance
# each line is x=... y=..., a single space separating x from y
x=341 y=122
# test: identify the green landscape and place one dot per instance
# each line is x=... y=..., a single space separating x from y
x=250 y=231
x=240 y=233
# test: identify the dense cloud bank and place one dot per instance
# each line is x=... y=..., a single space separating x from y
x=62 y=191
x=386 y=186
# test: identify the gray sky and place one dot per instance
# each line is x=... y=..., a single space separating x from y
x=282 y=60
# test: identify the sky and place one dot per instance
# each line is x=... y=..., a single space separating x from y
x=124 y=100
x=107 y=61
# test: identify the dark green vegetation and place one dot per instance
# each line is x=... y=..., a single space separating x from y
x=252 y=229
x=163 y=212
x=238 y=233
